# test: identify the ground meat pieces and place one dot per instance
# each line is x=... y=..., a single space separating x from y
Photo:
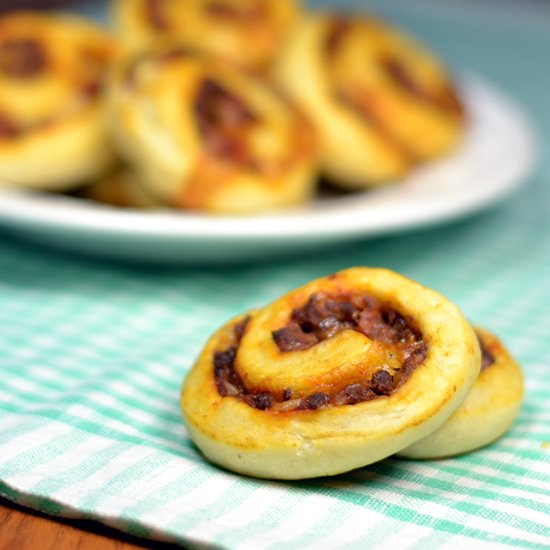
x=225 y=10
x=224 y=359
x=22 y=58
x=372 y=324
x=321 y=317
x=227 y=380
x=353 y=394
x=339 y=28
x=240 y=328
x=324 y=316
x=292 y=337
x=154 y=12
x=415 y=354
x=92 y=89
x=402 y=76
x=8 y=128
x=222 y=119
x=445 y=98
x=321 y=306
x=262 y=401
x=382 y=383
x=314 y=401
x=384 y=324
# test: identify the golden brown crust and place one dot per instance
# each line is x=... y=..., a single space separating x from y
x=488 y=411
x=380 y=101
x=246 y=33
x=328 y=438
x=205 y=136
x=52 y=133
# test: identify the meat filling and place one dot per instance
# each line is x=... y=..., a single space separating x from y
x=22 y=58
x=322 y=317
x=226 y=10
x=223 y=119
x=443 y=98
x=336 y=32
x=154 y=12
x=8 y=128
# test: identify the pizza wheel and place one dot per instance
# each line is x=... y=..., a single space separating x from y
x=204 y=136
x=379 y=100
x=335 y=375
x=52 y=128
x=488 y=411
x=246 y=33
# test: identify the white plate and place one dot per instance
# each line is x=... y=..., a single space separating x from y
x=495 y=158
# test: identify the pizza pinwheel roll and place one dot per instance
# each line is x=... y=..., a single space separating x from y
x=52 y=128
x=204 y=136
x=335 y=375
x=379 y=100
x=246 y=33
x=488 y=411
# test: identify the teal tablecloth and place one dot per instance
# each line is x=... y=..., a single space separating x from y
x=92 y=356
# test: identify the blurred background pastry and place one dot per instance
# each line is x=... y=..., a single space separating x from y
x=223 y=106
x=379 y=100
x=246 y=33
x=202 y=135
x=52 y=127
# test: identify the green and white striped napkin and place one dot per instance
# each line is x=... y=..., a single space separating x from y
x=92 y=356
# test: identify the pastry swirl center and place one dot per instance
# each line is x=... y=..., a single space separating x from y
x=323 y=317
x=223 y=120
x=357 y=93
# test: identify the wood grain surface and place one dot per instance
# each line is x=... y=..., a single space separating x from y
x=24 y=529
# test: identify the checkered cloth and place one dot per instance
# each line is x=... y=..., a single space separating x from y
x=92 y=356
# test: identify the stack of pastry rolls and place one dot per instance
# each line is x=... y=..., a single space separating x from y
x=345 y=371
x=220 y=106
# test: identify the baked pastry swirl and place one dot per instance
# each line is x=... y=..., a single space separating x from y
x=337 y=374
x=246 y=33
x=52 y=129
x=488 y=411
x=205 y=136
x=379 y=100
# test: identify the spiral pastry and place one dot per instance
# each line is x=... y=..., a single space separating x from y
x=379 y=100
x=335 y=375
x=52 y=131
x=246 y=33
x=488 y=411
x=205 y=136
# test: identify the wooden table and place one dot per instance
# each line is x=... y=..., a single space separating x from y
x=24 y=529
